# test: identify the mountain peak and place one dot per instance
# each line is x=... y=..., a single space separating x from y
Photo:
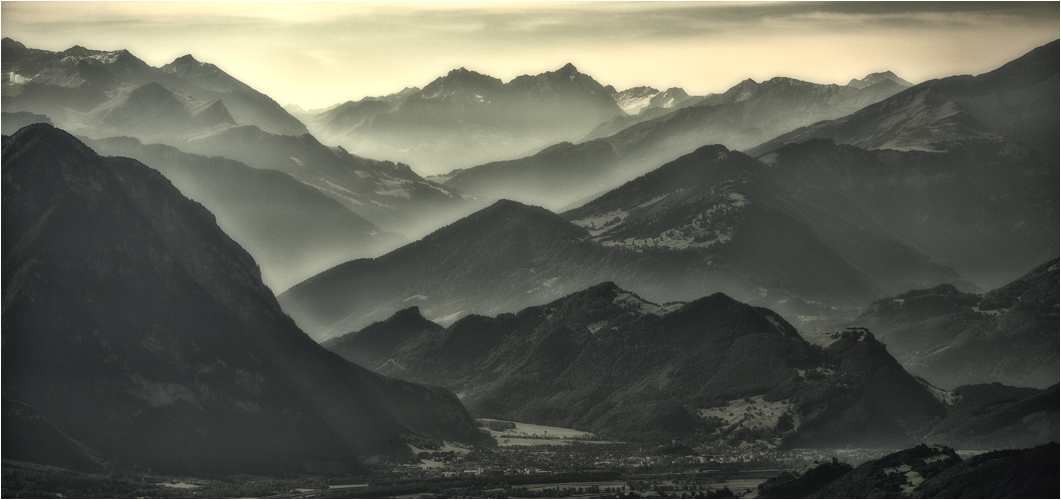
x=569 y=68
x=185 y=59
x=874 y=78
x=8 y=42
x=77 y=51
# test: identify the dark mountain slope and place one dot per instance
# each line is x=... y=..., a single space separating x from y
x=1008 y=335
x=292 y=230
x=716 y=199
x=467 y=118
x=938 y=472
x=1014 y=102
x=988 y=212
x=501 y=258
x=372 y=346
x=138 y=328
x=988 y=416
x=741 y=117
x=509 y=256
x=1024 y=473
x=605 y=360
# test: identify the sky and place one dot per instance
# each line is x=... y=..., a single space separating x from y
x=319 y=54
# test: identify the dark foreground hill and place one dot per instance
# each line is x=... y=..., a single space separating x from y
x=607 y=361
x=1007 y=335
x=928 y=472
x=136 y=331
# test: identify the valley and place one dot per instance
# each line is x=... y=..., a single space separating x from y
x=539 y=284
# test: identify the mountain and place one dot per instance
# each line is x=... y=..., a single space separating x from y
x=992 y=416
x=1012 y=103
x=742 y=117
x=134 y=326
x=502 y=258
x=292 y=230
x=153 y=111
x=926 y=472
x=986 y=210
x=65 y=85
x=200 y=109
x=509 y=256
x=1007 y=335
x=607 y=361
x=709 y=197
x=874 y=78
x=637 y=100
x=642 y=104
x=390 y=195
x=466 y=118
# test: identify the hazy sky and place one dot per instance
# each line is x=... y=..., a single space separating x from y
x=318 y=54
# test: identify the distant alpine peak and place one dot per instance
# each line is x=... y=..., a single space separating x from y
x=874 y=78
x=185 y=59
x=568 y=68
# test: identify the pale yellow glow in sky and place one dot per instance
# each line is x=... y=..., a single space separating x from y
x=319 y=54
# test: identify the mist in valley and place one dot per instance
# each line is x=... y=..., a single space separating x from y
x=520 y=268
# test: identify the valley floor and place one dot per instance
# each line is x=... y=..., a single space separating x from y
x=559 y=470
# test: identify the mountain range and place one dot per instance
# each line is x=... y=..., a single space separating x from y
x=605 y=360
x=95 y=92
x=141 y=332
x=1012 y=103
x=466 y=118
x=742 y=117
x=198 y=108
x=1007 y=335
x=641 y=264
x=509 y=256
x=292 y=230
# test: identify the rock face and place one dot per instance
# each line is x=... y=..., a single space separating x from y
x=1007 y=335
x=466 y=118
x=607 y=361
x=138 y=329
